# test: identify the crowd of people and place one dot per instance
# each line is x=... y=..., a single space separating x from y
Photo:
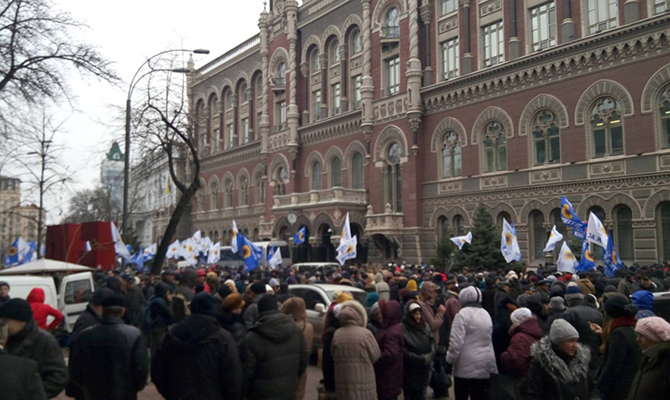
x=217 y=333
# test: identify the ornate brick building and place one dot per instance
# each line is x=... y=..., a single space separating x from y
x=409 y=114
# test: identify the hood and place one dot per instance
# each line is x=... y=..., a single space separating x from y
x=274 y=326
x=429 y=293
x=643 y=299
x=391 y=312
x=353 y=313
x=188 y=277
x=36 y=296
x=378 y=277
x=295 y=307
x=161 y=290
x=470 y=295
x=193 y=330
x=531 y=328
x=556 y=367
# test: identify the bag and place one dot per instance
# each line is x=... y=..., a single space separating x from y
x=439 y=380
x=145 y=319
x=506 y=387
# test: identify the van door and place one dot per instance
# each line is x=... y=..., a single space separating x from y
x=75 y=292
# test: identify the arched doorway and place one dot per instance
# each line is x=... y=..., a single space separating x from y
x=326 y=250
x=303 y=251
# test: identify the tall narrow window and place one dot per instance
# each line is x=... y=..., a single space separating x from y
x=543 y=26
x=316 y=176
x=451 y=156
x=450 y=58
x=244 y=92
x=664 y=114
x=392 y=26
x=356 y=42
x=336 y=173
x=393 y=181
x=244 y=191
x=664 y=226
x=260 y=189
x=281 y=115
x=245 y=130
x=442 y=228
x=280 y=79
x=459 y=225
x=335 y=100
x=624 y=233
x=357 y=84
x=334 y=54
x=546 y=138
x=539 y=234
x=607 y=128
x=316 y=105
x=393 y=75
x=602 y=15
x=661 y=6
x=230 y=136
x=229 y=193
x=495 y=147
x=357 y=171
x=494 y=44
x=448 y=6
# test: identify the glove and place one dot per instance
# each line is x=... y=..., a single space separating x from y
x=447 y=368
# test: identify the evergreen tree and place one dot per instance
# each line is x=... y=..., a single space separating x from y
x=485 y=247
x=444 y=251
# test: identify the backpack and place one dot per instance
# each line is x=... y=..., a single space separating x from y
x=145 y=319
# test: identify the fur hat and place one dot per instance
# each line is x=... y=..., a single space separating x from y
x=344 y=296
x=619 y=306
x=521 y=315
x=17 y=309
x=561 y=330
x=655 y=329
x=232 y=302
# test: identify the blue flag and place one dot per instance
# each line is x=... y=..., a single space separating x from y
x=586 y=263
x=611 y=258
x=30 y=253
x=568 y=214
x=250 y=253
x=579 y=231
x=299 y=238
x=12 y=256
x=138 y=259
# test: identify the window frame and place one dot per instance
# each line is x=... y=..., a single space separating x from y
x=496 y=150
x=336 y=172
x=607 y=134
x=546 y=139
x=354 y=178
x=543 y=17
x=454 y=148
x=663 y=116
x=316 y=173
x=488 y=35
x=450 y=58
x=599 y=24
x=392 y=76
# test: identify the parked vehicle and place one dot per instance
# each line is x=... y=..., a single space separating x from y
x=279 y=244
x=315 y=266
x=662 y=305
x=318 y=298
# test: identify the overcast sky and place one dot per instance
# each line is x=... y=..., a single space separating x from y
x=127 y=32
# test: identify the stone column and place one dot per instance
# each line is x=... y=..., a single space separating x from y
x=568 y=25
x=514 y=45
x=367 y=85
x=414 y=74
x=304 y=69
x=292 y=115
x=426 y=13
x=323 y=63
x=264 y=127
x=344 y=79
x=468 y=62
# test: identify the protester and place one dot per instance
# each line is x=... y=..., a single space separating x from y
x=42 y=311
x=134 y=302
x=651 y=380
x=644 y=300
x=389 y=366
x=471 y=347
x=19 y=379
x=556 y=309
x=27 y=340
x=355 y=351
x=382 y=287
x=418 y=353
x=4 y=292
x=230 y=317
x=253 y=296
x=160 y=316
x=295 y=307
x=525 y=331
x=198 y=359
x=581 y=316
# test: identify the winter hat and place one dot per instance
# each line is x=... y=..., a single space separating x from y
x=274 y=283
x=268 y=303
x=17 y=309
x=521 y=315
x=573 y=292
x=372 y=299
x=344 y=296
x=470 y=295
x=232 y=302
x=610 y=289
x=644 y=299
x=224 y=291
x=258 y=288
x=411 y=285
x=592 y=301
x=3 y=283
x=413 y=307
x=619 y=306
x=100 y=294
x=655 y=329
x=115 y=300
x=561 y=330
x=203 y=303
x=557 y=304
x=511 y=275
x=551 y=279
x=522 y=300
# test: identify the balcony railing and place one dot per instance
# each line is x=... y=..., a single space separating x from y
x=278 y=83
x=391 y=32
x=354 y=197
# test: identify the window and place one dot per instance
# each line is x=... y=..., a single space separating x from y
x=281 y=180
x=214 y=194
x=280 y=79
x=281 y=115
x=504 y=215
x=335 y=99
x=229 y=193
x=624 y=233
x=494 y=44
x=607 y=128
x=448 y=6
x=451 y=156
x=539 y=234
x=459 y=225
x=334 y=53
x=77 y=292
x=602 y=15
x=357 y=83
x=664 y=226
x=543 y=26
x=664 y=108
x=244 y=92
x=316 y=105
x=450 y=58
x=336 y=173
x=316 y=176
x=357 y=171
x=231 y=136
x=393 y=178
x=244 y=191
x=260 y=189
x=245 y=130
x=392 y=75
x=495 y=148
x=314 y=62
x=661 y=6
x=356 y=42
x=392 y=27
x=547 y=144
x=442 y=228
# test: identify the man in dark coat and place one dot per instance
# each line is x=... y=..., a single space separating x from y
x=4 y=292
x=388 y=368
x=134 y=302
x=27 y=340
x=110 y=359
x=161 y=318
x=198 y=359
x=276 y=354
x=19 y=379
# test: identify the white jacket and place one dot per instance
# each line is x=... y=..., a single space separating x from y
x=470 y=345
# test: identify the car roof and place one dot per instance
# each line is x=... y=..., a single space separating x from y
x=328 y=287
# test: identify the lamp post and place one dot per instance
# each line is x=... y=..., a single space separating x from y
x=126 y=164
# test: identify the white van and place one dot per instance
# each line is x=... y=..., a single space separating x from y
x=283 y=247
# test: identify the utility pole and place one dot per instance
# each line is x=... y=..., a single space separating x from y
x=42 y=153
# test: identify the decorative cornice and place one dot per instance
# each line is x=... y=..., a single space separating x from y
x=331 y=128
x=233 y=156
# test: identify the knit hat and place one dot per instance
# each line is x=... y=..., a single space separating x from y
x=274 y=283
x=258 y=288
x=413 y=307
x=521 y=315
x=411 y=285
x=344 y=296
x=3 y=283
x=619 y=306
x=610 y=289
x=655 y=329
x=17 y=309
x=268 y=303
x=100 y=294
x=561 y=330
x=372 y=299
x=522 y=300
x=114 y=300
x=557 y=304
x=203 y=303
x=573 y=292
x=232 y=302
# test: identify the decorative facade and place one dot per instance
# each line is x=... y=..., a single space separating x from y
x=409 y=114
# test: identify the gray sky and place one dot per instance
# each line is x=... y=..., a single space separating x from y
x=127 y=32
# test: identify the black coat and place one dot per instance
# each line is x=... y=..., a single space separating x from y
x=197 y=360
x=652 y=380
x=579 y=315
x=418 y=356
x=39 y=345
x=620 y=363
x=276 y=357
x=19 y=379
x=328 y=363
x=87 y=319
x=125 y=368
x=233 y=323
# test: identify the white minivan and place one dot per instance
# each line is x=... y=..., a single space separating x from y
x=283 y=247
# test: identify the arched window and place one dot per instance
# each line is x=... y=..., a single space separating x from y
x=538 y=234
x=546 y=138
x=244 y=93
x=356 y=42
x=451 y=155
x=391 y=27
x=606 y=128
x=316 y=176
x=280 y=180
x=229 y=193
x=357 y=171
x=495 y=147
x=624 y=233
x=597 y=251
x=280 y=78
x=244 y=191
x=260 y=188
x=393 y=178
x=664 y=230
x=442 y=228
x=664 y=114
x=314 y=65
x=502 y=216
x=336 y=172
x=213 y=196
x=459 y=225
x=334 y=52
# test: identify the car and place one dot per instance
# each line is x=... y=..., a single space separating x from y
x=318 y=298
x=310 y=267
x=662 y=305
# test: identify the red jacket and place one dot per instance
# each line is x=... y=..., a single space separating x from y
x=42 y=311
x=516 y=359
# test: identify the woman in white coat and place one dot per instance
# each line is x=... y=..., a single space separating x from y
x=471 y=348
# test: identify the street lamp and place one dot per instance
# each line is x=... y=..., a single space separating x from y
x=126 y=164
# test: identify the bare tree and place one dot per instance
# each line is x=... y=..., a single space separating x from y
x=91 y=205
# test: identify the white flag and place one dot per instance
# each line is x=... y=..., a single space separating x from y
x=554 y=238
x=275 y=259
x=233 y=240
x=346 y=230
x=173 y=250
x=566 y=260
x=596 y=232
x=119 y=246
x=347 y=250
x=461 y=240
x=187 y=250
x=214 y=253
x=509 y=246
